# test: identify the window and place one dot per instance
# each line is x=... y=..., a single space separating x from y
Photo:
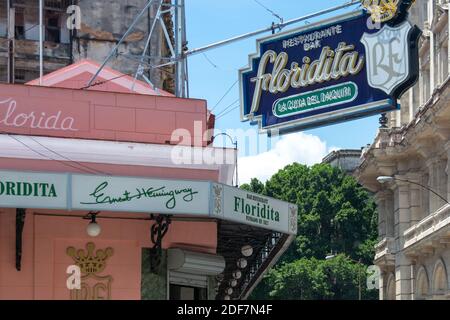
x=25 y=75
x=178 y=292
x=439 y=279
x=19 y=24
x=52 y=27
x=27 y=21
x=57 y=4
x=3 y=18
x=3 y=73
x=390 y=288
x=422 y=284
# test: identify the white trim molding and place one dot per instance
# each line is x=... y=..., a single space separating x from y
x=120 y=153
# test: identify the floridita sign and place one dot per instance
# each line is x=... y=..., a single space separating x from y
x=340 y=69
x=131 y=194
x=237 y=205
x=11 y=116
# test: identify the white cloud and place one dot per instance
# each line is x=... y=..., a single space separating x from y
x=298 y=147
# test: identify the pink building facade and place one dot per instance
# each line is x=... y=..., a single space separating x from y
x=57 y=138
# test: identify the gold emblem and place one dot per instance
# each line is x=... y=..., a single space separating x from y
x=93 y=286
x=381 y=10
x=217 y=199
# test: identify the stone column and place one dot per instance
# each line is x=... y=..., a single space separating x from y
x=433 y=66
x=380 y=198
x=447 y=169
x=438 y=58
x=438 y=177
x=403 y=277
x=390 y=215
x=425 y=194
x=415 y=204
x=442 y=179
x=402 y=216
x=382 y=284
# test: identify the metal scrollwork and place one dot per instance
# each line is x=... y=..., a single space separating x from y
x=383 y=120
x=157 y=233
x=20 y=222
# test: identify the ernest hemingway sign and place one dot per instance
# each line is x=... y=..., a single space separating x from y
x=139 y=195
x=332 y=71
x=131 y=194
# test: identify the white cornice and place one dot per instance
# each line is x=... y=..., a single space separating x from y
x=116 y=153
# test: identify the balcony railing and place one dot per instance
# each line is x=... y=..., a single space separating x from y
x=384 y=248
x=428 y=226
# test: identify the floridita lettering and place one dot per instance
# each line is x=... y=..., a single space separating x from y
x=258 y=210
x=13 y=118
x=312 y=38
x=25 y=189
x=331 y=65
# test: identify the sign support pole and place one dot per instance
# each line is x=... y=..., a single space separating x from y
x=271 y=28
x=180 y=42
x=11 y=40
x=41 y=41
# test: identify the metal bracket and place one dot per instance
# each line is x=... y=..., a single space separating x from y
x=383 y=120
x=157 y=233
x=20 y=222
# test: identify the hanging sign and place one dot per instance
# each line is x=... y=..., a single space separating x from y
x=234 y=204
x=348 y=67
x=33 y=190
x=67 y=191
x=140 y=195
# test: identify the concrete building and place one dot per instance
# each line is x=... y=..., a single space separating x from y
x=414 y=214
x=101 y=26
x=346 y=159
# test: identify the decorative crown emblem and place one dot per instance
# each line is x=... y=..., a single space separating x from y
x=386 y=10
x=217 y=199
x=85 y=259
x=381 y=10
x=293 y=218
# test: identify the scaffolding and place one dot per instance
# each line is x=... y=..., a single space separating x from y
x=179 y=51
x=147 y=61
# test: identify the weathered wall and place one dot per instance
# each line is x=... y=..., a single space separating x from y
x=153 y=286
x=103 y=24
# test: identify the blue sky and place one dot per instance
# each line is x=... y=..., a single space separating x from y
x=210 y=76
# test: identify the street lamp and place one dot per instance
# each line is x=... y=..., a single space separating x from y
x=235 y=143
x=93 y=229
x=332 y=256
x=386 y=179
x=247 y=250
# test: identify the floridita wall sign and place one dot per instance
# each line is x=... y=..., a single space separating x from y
x=332 y=71
x=33 y=190
x=237 y=205
x=131 y=194
x=19 y=114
